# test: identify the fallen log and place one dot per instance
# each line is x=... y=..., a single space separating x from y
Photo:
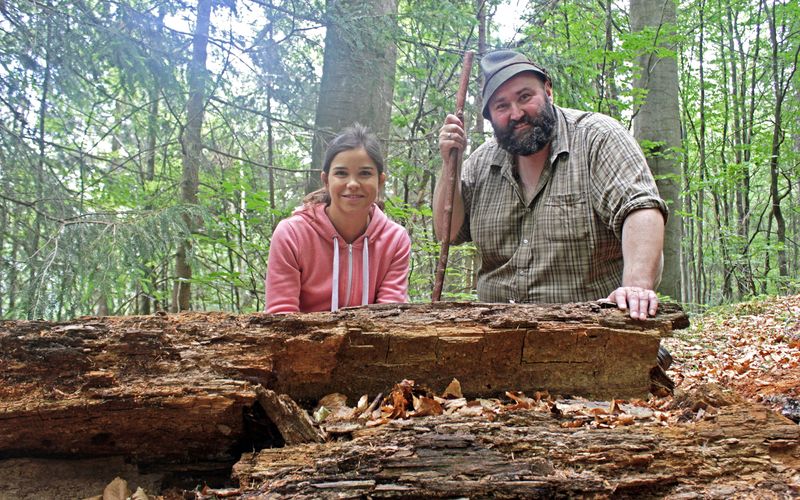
x=742 y=451
x=180 y=388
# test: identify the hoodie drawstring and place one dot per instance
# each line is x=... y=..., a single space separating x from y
x=335 y=278
x=364 y=274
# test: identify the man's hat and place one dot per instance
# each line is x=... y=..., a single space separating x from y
x=499 y=66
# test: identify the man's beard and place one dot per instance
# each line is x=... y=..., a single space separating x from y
x=530 y=140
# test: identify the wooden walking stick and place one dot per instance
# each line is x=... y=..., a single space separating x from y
x=450 y=170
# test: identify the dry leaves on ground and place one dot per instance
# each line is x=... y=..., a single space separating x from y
x=751 y=348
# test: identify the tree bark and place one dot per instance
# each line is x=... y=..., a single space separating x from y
x=174 y=388
x=658 y=121
x=745 y=450
x=700 y=276
x=357 y=73
x=192 y=144
x=780 y=85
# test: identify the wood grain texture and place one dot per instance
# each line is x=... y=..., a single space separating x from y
x=745 y=451
x=175 y=387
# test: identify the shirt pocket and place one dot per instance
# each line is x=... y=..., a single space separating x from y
x=566 y=217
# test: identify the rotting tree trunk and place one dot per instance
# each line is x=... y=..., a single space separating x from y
x=743 y=451
x=175 y=388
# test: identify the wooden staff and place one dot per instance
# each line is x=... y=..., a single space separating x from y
x=451 y=169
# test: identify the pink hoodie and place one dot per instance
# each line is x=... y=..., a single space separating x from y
x=312 y=268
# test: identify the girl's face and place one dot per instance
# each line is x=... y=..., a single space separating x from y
x=353 y=181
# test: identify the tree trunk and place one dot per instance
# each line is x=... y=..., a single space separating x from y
x=175 y=387
x=480 y=7
x=744 y=451
x=4 y=267
x=33 y=251
x=743 y=267
x=192 y=143
x=357 y=73
x=658 y=120
x=700 y=286
x=795 y=217
x=779 y=86
x=147 y=296
x=608 y=74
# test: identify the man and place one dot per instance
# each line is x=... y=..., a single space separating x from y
x=560 y=203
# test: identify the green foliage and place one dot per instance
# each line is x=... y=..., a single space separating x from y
x=92 y=112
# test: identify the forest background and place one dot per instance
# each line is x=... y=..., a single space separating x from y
x=148 y=148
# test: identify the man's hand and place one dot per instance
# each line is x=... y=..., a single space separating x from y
x=451 y=135
x=642 y=245
x=639 y=301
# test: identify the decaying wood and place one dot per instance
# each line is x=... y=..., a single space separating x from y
x=175 y=387
x=292 y=421
x=743 y=451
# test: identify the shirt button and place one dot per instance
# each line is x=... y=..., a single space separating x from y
x=522 y=273
x=525 y=242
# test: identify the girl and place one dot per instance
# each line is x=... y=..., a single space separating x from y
x=339 y=249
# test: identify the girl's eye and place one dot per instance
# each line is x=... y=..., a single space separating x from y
x=366 y=173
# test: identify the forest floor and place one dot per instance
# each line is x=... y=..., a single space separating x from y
x=749 y=350
x=752 y=348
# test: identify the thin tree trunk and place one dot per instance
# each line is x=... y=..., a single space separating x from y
x=721 y=206
x=12 y=275
x=745 y=282
x=688 y=261
x=33 y=292
x=608 y=88
x=192 y=147
x=146 y=298
x=795 y=216
x=271 y=158
x=474 y=261
x=4 y=266
x=778 y=79
x=700 y=285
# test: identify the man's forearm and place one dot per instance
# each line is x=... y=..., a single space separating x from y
x=642 y=248
x=440 y=203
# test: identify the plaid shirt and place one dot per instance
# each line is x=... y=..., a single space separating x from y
x=565 y=245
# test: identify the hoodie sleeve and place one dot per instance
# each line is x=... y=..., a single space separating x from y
x=394 y=287
x=283 y=272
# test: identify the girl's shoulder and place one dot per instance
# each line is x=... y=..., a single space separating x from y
x=392 y=231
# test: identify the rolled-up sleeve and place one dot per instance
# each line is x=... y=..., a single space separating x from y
x=622 y=182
